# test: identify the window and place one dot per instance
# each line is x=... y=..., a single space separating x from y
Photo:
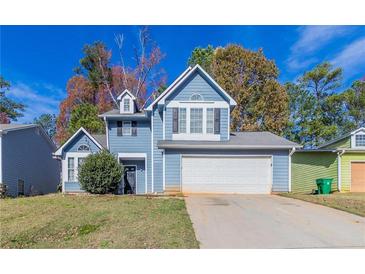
x=127 y=128
x=196 y=120
x=182 y=120
x=196 y=97
x=20 y=187
x=127 y=105
x=210 y=120
x=80 y=161
x=83 y=148
x=71 y=169
x=360 y=140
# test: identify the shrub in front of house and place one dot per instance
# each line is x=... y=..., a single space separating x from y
x=100 y=173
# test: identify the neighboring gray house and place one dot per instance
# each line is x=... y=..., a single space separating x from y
x=182 y=142
x=26 y=164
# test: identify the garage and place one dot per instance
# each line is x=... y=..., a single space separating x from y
x=358 y=177
x=227 y=174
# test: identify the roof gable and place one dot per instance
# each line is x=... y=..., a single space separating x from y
x=181 y=79
x=126 y=91
x=341 y=140
x=59 y=151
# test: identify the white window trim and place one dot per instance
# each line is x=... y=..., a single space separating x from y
x=197 y=104
x=196 y=94
x=124 y=127
x=131 y=104
x=353 y=139
x=74 y=155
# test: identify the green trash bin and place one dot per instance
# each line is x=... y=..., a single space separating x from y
x=324 y=185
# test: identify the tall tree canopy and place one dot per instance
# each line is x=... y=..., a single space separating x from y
x=98 y=82
x=9 y=109
x=354 y=100
x=251 y=79
x=48 y=123
x=316 y=111
x=203 y=57
x=86 y=116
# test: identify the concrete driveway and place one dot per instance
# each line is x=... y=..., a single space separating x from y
x=270 y=221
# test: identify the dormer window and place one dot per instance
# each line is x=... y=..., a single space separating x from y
x=127 y=105
x=196 y=97
x=360 y=140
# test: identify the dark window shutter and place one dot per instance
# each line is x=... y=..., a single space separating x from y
x=175 y=120
x=217 y=121
x=119 y=128
x=134 y=128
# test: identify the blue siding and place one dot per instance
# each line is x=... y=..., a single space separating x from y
x=168 y=124
x=196 y=83
x=73 y=187
x=133 y=144
x=224 y=124
x=27 y=155
x=81 y=139
x=140 y=174
x=157 y=117
x=280 y=165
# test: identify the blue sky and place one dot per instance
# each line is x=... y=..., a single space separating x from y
x=38 y=60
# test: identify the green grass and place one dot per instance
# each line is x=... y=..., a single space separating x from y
x=349 y=202
x=56 y=221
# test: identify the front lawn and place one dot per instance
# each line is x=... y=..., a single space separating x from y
x=350 y=202
x=56 y=221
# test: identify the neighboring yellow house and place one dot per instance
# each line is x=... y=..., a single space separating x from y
x=342 y=159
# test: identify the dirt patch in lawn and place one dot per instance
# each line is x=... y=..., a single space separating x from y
x=87 y=221
x=350 y=202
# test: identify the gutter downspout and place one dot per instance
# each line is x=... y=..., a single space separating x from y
x=106 y=132
x=291 y=152
x=339 y=155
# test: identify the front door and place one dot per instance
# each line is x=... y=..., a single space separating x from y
x=129 y=180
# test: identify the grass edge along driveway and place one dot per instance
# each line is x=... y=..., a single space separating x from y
x=350 y=202
x=90 y=221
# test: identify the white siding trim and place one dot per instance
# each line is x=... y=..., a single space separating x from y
x=163 y=170
x=152 y=158
x=198 y=104
x=339 y=174
x=131 y=156
x=163 y=123
x=107 y=132
x=291 y=152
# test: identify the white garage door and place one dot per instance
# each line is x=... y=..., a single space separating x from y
x=251 y=175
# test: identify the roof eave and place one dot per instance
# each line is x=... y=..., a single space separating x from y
x=230 y=147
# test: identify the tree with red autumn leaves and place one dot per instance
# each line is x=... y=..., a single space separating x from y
x=99 y=83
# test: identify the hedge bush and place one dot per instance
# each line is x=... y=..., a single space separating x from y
x=100 y=173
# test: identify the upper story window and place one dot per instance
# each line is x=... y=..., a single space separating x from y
x=127 y=128
x=196 y=120
x=182 y=120
x=360 y=140
x=127 y=105
x=196 y=97
x=83 y=148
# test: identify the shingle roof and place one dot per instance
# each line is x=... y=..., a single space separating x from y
x=101 y=139
x=238 y=140
x=9 y=127
x=116 y=112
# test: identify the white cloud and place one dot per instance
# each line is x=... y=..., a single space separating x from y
x=312 y=39
x=36 y=102
x=351 y=58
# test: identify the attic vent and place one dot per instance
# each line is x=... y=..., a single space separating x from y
x=83 y=148
x=196 y=97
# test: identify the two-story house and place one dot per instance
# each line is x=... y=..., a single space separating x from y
x=182 y=142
